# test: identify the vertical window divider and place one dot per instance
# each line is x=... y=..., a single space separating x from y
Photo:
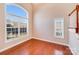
x=18 y=29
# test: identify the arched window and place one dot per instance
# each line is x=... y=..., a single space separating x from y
x=16 y=21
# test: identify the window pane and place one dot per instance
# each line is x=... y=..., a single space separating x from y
x=9 y=25
x=8 y=29
x=15 y=10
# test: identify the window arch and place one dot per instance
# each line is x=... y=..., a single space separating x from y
x=16 y=21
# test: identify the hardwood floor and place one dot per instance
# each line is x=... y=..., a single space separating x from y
x=37 y=47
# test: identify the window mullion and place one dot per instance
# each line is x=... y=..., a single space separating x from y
x=18 y=29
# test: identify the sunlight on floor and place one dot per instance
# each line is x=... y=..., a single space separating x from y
x=57 y=52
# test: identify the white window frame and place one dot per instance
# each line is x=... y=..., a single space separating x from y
x=59 y=28
x=6 y=41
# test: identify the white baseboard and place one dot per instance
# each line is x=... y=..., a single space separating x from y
x=12 y=45
x=58 y=43
x=51 y=41
x=72 y=50
x=38 y=39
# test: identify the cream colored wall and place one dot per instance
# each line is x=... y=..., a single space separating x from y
x=3 y=44
x=43 y=21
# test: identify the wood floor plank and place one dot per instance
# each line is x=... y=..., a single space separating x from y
x=38 y=47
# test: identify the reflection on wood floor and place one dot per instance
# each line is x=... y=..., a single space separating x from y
x=38 y=47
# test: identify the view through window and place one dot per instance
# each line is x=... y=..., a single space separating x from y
x=16 y=21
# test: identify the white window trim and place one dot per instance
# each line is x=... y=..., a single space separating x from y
x=60 y=28
x=5 y=14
